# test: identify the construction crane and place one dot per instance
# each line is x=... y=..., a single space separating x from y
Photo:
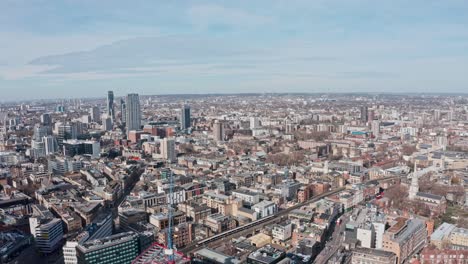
x=170 y=247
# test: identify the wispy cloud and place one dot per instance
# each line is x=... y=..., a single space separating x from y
x=211 y=16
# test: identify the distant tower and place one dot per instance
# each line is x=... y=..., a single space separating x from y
x=414 y=188
x=168 y=149
x=169 y=252
x=123 y=111
x=46 y=119
x=95 y=114
x=437 y=115
x=218 y=131
x=133 y=112
x=185 y=119
x=364 y=114
x=106 y=123
x=254 y=122
x=110 y=105
x=50 y=144
x=370 y=115
x=375 y=127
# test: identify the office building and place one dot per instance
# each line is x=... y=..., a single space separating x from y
x=366 y=236
x=218 y=131
x=282 y=231
x=370 y=115
x=100 y=228
x=123 y=111
x=133 y=112
x=95 y=114
x=182 y=235
x=459 y=237
x=375 y=127
x=62 y=166
x=405 y=237
x=47 y=233
x=121 y=248
x=66 y=131
x=254 y=123
x=265 y=208
x=441 y=256
x=40 y=132
x=37 y=149
x=168 y=149
x=364 y=114
x=266 y=255
x=110 y=105
x=46 y=119
x=81 y=147
x=50 y=144
x=107 y=123
x=375 y=256
x=185 y=119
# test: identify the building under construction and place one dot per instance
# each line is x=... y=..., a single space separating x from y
x=157 y=254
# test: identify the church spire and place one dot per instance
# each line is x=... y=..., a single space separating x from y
x=414 y=188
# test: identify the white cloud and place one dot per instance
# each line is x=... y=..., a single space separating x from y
x=24 y=71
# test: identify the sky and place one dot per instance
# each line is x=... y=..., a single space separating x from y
x=83 y=48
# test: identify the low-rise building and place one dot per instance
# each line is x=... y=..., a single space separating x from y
x=374 y=256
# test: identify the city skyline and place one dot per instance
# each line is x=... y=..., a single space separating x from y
x=199 y=47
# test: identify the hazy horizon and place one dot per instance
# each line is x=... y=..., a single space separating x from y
x=230 y=47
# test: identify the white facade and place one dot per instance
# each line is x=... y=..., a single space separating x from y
x=254 y=122
x=246 y=196
x=168 y=149
x=50 y=144
x=265 y=208
x=47 y=233
x=379 y=230
x=282 y=231
x=366 y=237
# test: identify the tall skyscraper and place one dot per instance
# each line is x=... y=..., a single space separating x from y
x=106 y=123
x=95 y=114
x=254 y=122
x=364 y=114
x=218 y=131
x=185 y=120
x=110 y=104
x=40 y=132
x=37 y=149
x=370 y=115
x=168 y=149
x=123 y=110
x=46 y=119
x=50 y=145
x=133 y=112
x=375 y=127
x=66 y=131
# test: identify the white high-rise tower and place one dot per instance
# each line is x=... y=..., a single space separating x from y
x=133 y=112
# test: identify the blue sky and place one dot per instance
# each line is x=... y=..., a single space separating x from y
x=78 y=48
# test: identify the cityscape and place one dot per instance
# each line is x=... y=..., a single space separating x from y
x=248 y=178
x=233 y=132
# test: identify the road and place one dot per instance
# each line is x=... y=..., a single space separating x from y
x=334 y=243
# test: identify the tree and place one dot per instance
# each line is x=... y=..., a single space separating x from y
x=397 y=194
x=408 y=149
